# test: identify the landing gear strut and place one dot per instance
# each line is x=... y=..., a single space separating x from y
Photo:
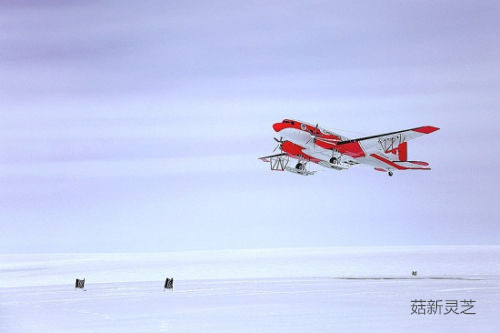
x=390 y=173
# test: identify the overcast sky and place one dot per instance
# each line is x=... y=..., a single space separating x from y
x=136 y=126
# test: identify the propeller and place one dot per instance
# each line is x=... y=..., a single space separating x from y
x=280 y=141
x=315 y=138
x=313 y=135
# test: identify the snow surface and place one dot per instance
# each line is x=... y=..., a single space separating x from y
x=278 y=290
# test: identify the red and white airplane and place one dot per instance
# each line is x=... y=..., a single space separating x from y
x=308 y=143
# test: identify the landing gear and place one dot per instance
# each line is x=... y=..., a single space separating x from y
x=299 y=166
x=390 y=173
x=333 y=160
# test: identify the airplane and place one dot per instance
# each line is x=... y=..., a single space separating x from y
x=308 y=143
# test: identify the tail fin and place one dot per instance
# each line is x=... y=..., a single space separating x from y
x=403 y=151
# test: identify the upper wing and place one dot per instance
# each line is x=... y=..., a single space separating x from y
x=390 y=141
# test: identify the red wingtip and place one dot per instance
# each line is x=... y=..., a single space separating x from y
x=426 y=129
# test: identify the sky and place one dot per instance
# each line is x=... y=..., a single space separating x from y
x=133 y=126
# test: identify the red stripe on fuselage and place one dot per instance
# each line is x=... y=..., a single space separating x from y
x=288 y=123
x=352 y=149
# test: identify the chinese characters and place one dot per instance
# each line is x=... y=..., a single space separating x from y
x=438 y=307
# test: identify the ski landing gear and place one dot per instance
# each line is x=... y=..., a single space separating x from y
x=300 y=169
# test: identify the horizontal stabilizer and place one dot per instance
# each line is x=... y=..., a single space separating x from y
x=413 y=165
x=402 y=165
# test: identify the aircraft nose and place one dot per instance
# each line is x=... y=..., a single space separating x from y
x=278 y=126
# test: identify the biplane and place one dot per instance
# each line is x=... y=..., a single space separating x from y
x=308 y=143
